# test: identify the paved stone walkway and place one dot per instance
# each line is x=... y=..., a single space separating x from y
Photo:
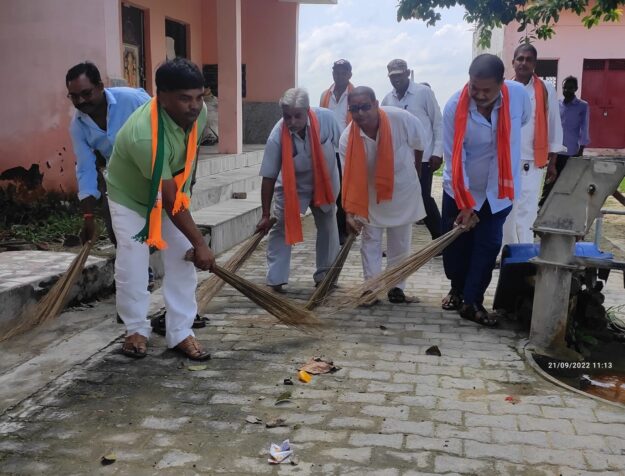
x=390 y=410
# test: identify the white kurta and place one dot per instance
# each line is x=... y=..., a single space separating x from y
x=407 y=204
x=518 y=225
x=339 y=108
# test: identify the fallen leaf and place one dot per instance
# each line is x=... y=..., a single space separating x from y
x=196 y=368
x=254 y=420
x=317 y=366
x=276 y=422
x=283 y=397
x=108 y=458
x=434 y=350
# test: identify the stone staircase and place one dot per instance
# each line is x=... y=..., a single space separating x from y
x=26 y=275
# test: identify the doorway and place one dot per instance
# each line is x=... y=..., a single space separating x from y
x=603 y=87
x=133 y=38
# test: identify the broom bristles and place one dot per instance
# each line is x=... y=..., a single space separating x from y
x=51 y=305
x=368 y=292
x=325 y=286
x=285 y=311
x=209 y=288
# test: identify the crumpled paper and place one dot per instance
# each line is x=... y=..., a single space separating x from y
x=317 y=366
x=280 y=453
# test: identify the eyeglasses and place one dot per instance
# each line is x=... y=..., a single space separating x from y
x=84 y=94
x=360 y=107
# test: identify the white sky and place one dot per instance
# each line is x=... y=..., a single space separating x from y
x=367 y=34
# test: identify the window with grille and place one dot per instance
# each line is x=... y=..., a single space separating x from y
x=547 y=70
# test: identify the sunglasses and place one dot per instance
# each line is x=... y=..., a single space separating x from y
x=360 y=107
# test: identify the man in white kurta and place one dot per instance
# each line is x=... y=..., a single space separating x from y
x=295 y=106
x=406 y=206
x=518 y=225
x=420 y=101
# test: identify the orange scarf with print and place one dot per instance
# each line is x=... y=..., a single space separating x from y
x=151 y=233
x=462 y=195
x=356 y=178
x=322 y=193
x=541 y=139
x=325 y=100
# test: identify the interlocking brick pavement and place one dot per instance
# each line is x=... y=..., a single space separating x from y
x=390 y=410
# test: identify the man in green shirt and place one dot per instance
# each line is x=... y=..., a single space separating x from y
x=140 y=180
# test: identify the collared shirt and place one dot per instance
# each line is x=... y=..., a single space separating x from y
x=575 y=125
x=339 y=108
x=271 y=166
x=419 y=100
x=129 y=173
x=406 y=205
x=554 y=124
x=479 y=151
x=87 y=136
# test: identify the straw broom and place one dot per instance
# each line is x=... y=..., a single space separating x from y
x=284 y=310
x=332 y=276
x=368 y=292
x=208 y=289
x=51 y=305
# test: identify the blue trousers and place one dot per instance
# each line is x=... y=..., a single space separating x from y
x=469 y=261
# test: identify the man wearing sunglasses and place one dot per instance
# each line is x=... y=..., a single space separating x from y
x=381 y=151
x=100 y=114
x=419 y=100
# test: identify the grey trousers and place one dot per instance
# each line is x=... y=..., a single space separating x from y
x=279 y=253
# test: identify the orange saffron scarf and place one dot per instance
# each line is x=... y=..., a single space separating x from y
x=541 y=151
x=322 y=193
x=356 y=177
x=325 y=100
x=151 y=233
x=462 y=195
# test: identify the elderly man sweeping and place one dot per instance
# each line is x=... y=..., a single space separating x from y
x=381 y=151
x=299 y=168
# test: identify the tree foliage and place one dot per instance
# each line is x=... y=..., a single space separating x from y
x=536 y=18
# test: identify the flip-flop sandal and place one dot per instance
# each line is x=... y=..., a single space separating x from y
x=477 y=313
x=160 y=328
x=190 y=348
x=132 y=346
x=453 y=301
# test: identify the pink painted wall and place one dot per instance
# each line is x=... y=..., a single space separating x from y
x=184 y=11
x=38 y=44
x=268 y=44
x=571 y=45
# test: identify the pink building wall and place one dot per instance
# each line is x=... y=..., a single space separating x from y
x=571 y=45
x=37 y=47
x=41 y=39
x=267 y=27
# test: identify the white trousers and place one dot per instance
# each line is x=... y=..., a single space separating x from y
x=518 y=225
x=398 y=241
x=131 y=277
x=279 y=253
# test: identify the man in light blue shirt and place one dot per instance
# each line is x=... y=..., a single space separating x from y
x=470 y=260
x=295 y=105
x=100 y=114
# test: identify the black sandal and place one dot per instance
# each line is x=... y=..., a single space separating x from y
x=477 y=313
x=159 y=327
x=396 y=296
x=453 y=300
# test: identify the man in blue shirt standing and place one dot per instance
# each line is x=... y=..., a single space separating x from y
x=480 y=178
x=574 y=113
x=100 y=114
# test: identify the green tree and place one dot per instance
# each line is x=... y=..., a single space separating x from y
x=537 y=18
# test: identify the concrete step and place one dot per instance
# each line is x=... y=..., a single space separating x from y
x=231 y=221
x=210 y=163
x=215 y=188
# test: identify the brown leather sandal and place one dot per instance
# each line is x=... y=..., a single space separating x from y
x=192 y=349
x=135 y=346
